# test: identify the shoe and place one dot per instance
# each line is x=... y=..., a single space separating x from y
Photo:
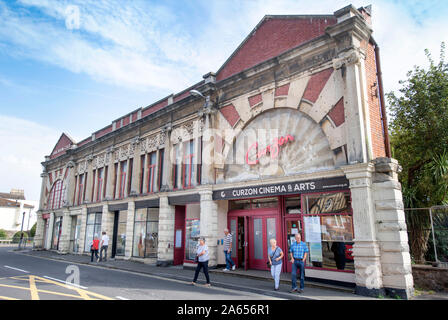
x=98 y=260
x=193 y=283
x=276 y=289
x=233 y=268
x=207 y=285
x=293 y=290
x=301 y=291
x=225 y=269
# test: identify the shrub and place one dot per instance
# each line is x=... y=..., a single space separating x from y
x=16 y=236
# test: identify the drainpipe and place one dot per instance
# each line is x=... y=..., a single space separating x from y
x=382 y=101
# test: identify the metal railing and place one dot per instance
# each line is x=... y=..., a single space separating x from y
x=428 y=235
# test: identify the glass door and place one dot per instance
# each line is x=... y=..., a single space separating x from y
x=293 y=225
x=261 y=230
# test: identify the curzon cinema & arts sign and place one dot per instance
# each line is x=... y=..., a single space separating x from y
x=286 y=188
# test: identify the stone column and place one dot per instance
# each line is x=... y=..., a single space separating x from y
x=107 y=225
x=38 y=236
x=136 y=164
x=64 y=240
x=70 y=184
x=110 y=174
x=391 y=227
x=50 y=231
x=167 y=183
x=366 y=249
x=44 y=177
x=208 y=150
x=209 y=224
x=165 y=251
x=82 y=231
x=89 y=182
x=129 y=230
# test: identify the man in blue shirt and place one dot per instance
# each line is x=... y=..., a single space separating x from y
x=298 y=252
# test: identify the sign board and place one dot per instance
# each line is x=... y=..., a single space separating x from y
x=285 y=188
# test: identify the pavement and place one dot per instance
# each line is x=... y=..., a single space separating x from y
x=251 y=281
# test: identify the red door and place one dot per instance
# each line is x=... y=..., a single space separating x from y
x=179 y=235
x=261 y=230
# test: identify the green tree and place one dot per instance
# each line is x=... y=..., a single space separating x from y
x=32 y=231
x=419 y=140
x=3 y=234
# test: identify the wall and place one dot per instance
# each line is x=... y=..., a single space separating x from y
x=430 y=278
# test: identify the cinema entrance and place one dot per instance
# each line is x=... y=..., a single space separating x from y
x=253 y=223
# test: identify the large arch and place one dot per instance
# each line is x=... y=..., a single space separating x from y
x=301 y=147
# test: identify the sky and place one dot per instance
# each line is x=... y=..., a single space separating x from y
x=75 y=66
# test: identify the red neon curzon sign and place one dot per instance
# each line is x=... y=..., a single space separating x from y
x=272 y=149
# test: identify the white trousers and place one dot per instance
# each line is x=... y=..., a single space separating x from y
x=275 y=272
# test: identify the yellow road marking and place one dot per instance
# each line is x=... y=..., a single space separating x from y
x=8 y=298
x=33 y=289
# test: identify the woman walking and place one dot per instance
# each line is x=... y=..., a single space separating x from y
x=94 y=248
x=202 y=259
x=275 y=256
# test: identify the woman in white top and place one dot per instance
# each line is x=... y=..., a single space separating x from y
x=202 y=259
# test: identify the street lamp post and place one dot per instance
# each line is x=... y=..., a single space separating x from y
x=21 y=231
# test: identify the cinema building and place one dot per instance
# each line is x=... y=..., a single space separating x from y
x=288 y=136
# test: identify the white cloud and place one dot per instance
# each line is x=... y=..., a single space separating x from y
x=142 y=44
x=24 y=144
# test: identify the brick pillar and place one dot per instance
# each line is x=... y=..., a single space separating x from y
x=391 y=227
x=366 y=249
x=129 y=230
x=64 y=241
x=165 y=251
x=209 y=224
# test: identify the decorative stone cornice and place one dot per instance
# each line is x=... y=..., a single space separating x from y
x=347 y=58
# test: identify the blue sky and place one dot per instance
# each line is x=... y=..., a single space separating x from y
x=60 y=73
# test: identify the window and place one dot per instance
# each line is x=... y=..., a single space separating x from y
x=123 y=167
x=93 y=187
x=93 y=229
x=161 y=160
x=328 y=230
x=121 y=233
x=99 y=191
x=115 y=180
x=248 y=204
x=142 y=173
x=56 y=233
x=151 y=172
x=80 y=189
x=186 y=169
x=57 y=195
x=191 y=238
x=146 y=233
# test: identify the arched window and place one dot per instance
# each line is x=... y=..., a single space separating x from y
x=57 y=195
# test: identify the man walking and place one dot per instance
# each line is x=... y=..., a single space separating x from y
x=298 y=252
x=228 y=250
x=104 y=245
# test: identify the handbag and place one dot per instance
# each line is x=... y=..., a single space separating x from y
x=267 y=262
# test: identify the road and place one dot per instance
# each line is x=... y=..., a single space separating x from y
x=25 y=277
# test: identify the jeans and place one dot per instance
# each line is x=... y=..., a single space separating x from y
x=275 y=272
x=298 y=264
x=198 y=268
x=229 y=261
x=105 y=253
x=93 y=251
